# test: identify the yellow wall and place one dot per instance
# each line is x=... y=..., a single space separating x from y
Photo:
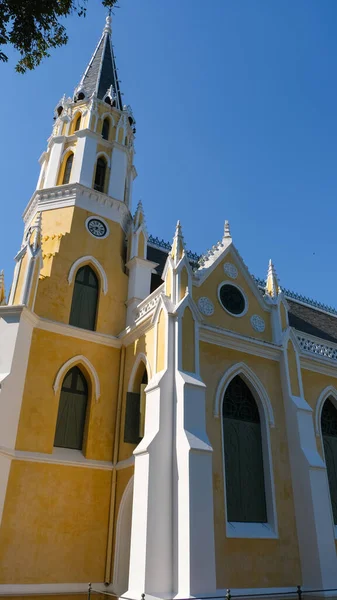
x=188 y=341
x=161 y=342
x=54 y=295
x=49 y=351
x=183 y=283
x=252 y=562
x=220 y=317
x=141 y=245
x=21 y=279
x=168 y=283
x=54 y=526
x=292 y=364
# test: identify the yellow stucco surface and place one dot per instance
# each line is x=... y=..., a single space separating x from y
x=188 y=341
x=49 y=351
x=220 y=317
x=161 y=341
x=21 y=279
x=183 y=283
x=283 y=316
x=252 y=562
x=293 y=374
x=54 y=295
x=54 y=524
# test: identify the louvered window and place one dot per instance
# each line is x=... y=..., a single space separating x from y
x=67 y=169
x=100 y=174
x=329 y=432
x=85 y=297
x=105 y=129
x=245 y=488
x=72 y=411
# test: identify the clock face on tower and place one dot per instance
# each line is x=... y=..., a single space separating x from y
x=97 y=227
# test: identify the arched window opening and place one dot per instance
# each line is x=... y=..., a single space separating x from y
x=77 y=123
x=85 y=296
x=245 y=487
x=80 y=96
x=67 y=169
x=105 y=129
x=107 y=100
x=59 y=110
x=329 y=433
x=135 y=408
x=100 y=174
x=72 y=411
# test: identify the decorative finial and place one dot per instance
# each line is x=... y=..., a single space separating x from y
x=272 y=285
x=227 y=232
x=107 y=28
x=178 y=246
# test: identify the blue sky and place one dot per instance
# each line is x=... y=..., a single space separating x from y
x=236 y=109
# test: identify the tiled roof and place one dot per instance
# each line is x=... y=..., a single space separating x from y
x=101 y=73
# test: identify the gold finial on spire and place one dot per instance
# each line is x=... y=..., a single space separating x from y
x=272 y=285
x=178 y=246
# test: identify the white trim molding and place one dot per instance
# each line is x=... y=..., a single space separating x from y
x=252 y=530
x=242 y=369
x=329 y=391
x=105 y=155
x=141 y=357
x=78 y=360
x=235 y=285
x=89 y=260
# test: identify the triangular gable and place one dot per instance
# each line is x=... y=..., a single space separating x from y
x=202 y=274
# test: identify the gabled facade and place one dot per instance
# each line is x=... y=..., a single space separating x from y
x=168 y=424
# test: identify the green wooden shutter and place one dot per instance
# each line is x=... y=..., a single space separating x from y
x=245 y=489
x=85 y=297
x=72 y=411
x=329 y=432
x=132 y=418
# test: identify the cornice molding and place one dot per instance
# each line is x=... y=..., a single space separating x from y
x=72 y=194
x=234 y=341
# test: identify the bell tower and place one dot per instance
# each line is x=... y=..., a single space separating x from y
x=92 y=139
x=82 y=202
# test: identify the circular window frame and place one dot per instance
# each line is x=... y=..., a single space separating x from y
x=245 y=310
x=91 y=218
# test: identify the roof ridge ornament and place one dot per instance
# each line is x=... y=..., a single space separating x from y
x=272 y=288
x=227 y=232
x=178 y=244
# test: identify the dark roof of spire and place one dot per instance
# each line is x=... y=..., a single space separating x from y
x=101 y=72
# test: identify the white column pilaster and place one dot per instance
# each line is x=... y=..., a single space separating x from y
x=151 y=559
x=85 y=158
x=118 y=173
x=311 y=490
x=54 y=162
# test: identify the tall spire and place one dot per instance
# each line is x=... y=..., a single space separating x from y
x=100 y=76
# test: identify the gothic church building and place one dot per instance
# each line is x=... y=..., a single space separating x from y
x=168 y=423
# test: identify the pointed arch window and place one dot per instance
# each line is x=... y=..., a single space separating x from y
x=135 y=410
x=244 y=472
x=72 y=411
x=67 y=169
x=105 y=129
x=77 y=123
x=100 y=174
x=329 y=433
x=85 y=297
